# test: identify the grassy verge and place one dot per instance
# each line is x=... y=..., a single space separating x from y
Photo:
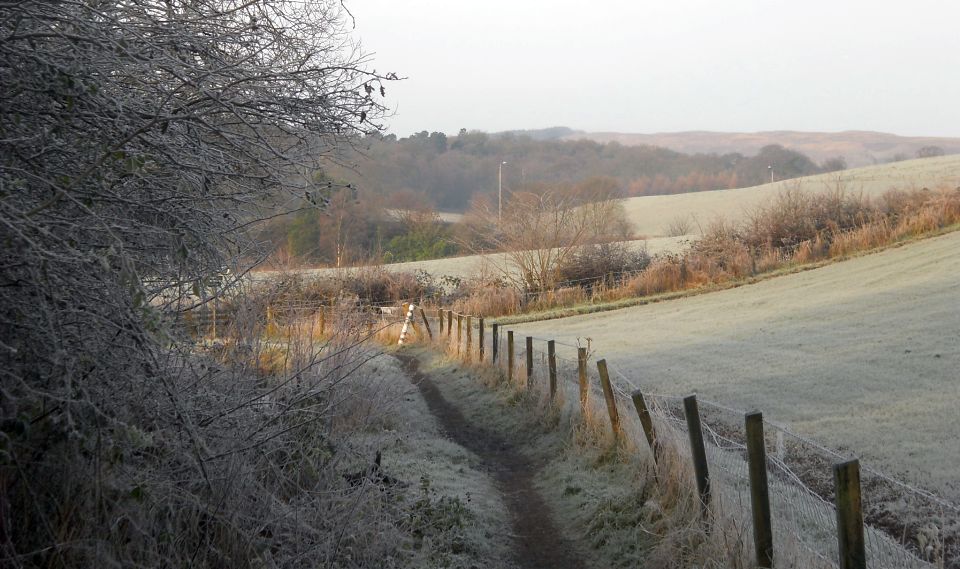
x=445 y=505
x=363 y=451
x=581 y=475
x=602 y=492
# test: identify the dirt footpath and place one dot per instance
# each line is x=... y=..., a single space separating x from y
x=537 y=541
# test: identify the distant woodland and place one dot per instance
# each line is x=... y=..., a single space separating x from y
x=430 y=172
x=450 y=170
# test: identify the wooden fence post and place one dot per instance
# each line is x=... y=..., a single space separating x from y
x=529 y=359
x=440 y=319
x=510 y=356
x=495 y=342
x=846 y=477
x=609 y=396
x=459 y=331
x=699 y=452
x=449 y=322
x=582 y=374
x=480 y=339
x=759 y=493
x=323 y=320
x=552 y=363
x=426 y=323
x=646 y=422
x=469 y=349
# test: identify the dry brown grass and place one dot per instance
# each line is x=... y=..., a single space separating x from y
x=565 y=296
x=794 y=229
x=664 y=274
x=490 y=299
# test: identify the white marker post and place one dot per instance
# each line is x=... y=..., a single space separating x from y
x=406 y=324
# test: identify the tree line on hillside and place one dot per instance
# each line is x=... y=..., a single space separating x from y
x=450 y=170
x=381 y=199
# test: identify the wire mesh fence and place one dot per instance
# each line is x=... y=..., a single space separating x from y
x=800 y=486
x=905 y=526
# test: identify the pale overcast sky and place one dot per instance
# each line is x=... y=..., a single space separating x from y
x=670 y=65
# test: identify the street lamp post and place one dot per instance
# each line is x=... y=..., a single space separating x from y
x=500 y=191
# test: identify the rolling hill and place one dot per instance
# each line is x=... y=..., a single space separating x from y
x=860 y=354
x=652 y=215
x=859 y=148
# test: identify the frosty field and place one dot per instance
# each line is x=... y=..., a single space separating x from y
x=861 y=355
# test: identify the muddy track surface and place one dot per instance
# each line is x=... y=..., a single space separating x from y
x=537 y=543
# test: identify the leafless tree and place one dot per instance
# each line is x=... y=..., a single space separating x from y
x=139 y=142
x=539 y=231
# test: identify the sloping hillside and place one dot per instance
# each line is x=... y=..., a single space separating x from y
x=860 y=354
x=859 y=148
x=653 y=215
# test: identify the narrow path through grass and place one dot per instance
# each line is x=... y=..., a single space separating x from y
x=538 y=542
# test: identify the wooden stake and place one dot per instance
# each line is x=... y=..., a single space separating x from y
x=459 y=331
x=699 y=452
x=469 y=350
x=495 y=342
x=529 y=359
x=510 y=356
x=582 y=374
x=552 y=363
x=647 y=423
x=440 y=319
x=846 y=477
x=480 y=340
x=609 y=396
x=426 y=323
x=449 y=322
x=759 y=492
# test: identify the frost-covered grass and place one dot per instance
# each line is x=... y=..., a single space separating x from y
x=602 y=493
x=451 y=513
x=859 y=354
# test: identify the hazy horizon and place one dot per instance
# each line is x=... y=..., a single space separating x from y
x=692 y=65
x=576 y=129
